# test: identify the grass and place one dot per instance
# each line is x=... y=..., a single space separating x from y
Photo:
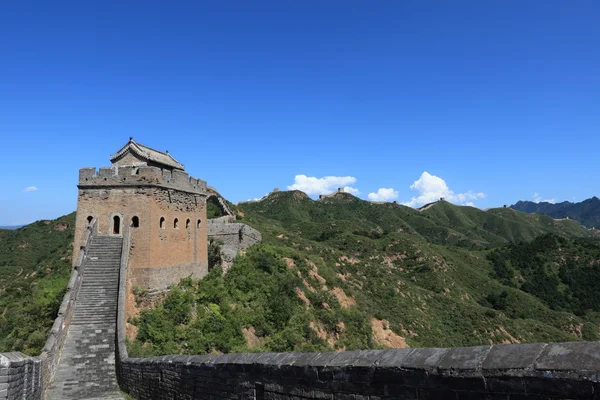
x=35 y=265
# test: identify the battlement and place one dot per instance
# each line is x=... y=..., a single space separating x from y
x=140 y=176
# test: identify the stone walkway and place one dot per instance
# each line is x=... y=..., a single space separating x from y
x=86 y=368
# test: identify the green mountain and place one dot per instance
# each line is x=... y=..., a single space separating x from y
x=586 y=212
x=35 y=265
x=343 y=273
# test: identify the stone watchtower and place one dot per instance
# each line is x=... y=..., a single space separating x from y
x=147 y=194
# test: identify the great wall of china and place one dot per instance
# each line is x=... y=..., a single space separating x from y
x=85 y=356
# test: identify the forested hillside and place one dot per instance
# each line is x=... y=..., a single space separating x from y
x=35 y=265
x=342 y=273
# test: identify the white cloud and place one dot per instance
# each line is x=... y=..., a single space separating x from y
x=30 y=189
x=314 y=186
x=538 y=199
x=351 y=190
x=258 y=198
x=431 y=188
x=383 y=194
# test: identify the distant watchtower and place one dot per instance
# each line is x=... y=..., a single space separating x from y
x=148 y=193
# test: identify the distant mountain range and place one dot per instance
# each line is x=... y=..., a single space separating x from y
x=586 y=212
x=11 y=227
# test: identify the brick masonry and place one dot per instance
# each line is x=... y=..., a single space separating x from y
x=536 y=371
x=170 y=210
x=234 y=237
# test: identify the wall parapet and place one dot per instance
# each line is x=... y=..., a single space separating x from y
x=536 y=371
x=121 y=346
x=140 y=176
x=234 y=237
x=26 y=377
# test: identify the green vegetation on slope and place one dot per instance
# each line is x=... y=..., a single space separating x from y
x=343 y=273
x=563 y=273
x=35 y=265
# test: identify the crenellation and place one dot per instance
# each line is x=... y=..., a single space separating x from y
x=85 y=173
x=150 y=174
x=166 y=174
x=181 y=178
x=126 y=171
x=107 y=172
x=140 y=176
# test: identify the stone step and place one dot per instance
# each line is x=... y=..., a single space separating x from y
x=104 y=271
x=86 y=368
x=97 y=314
x=96 y=289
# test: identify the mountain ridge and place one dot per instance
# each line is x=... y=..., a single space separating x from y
x=586 y=212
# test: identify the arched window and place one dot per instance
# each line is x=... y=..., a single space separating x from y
x=176 y=223
x=187 y=224
x=135 y=222
x=116 y=225
x=162 y=222
x=199 y=224
x=89 y=219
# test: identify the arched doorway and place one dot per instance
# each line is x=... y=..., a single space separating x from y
x=116 y=225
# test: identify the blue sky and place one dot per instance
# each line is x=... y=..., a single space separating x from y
x=495 y=100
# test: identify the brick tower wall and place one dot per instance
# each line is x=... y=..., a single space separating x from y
x=161 y=254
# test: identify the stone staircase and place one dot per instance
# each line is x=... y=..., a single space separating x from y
x=86 y=369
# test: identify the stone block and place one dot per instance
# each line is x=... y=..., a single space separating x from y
x=464 y=358
x=505 y=384
x=456 y=382
x=435 y=394
x=107 y=173
x=359 y=358
x=324 y=359
x=512 y=356
x=305 y=359
x=570 y=356
x=424 y=358
x=392 y=357
x=559 y=388
x=400 y=392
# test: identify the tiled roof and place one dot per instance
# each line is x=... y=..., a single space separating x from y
x=147 y=153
